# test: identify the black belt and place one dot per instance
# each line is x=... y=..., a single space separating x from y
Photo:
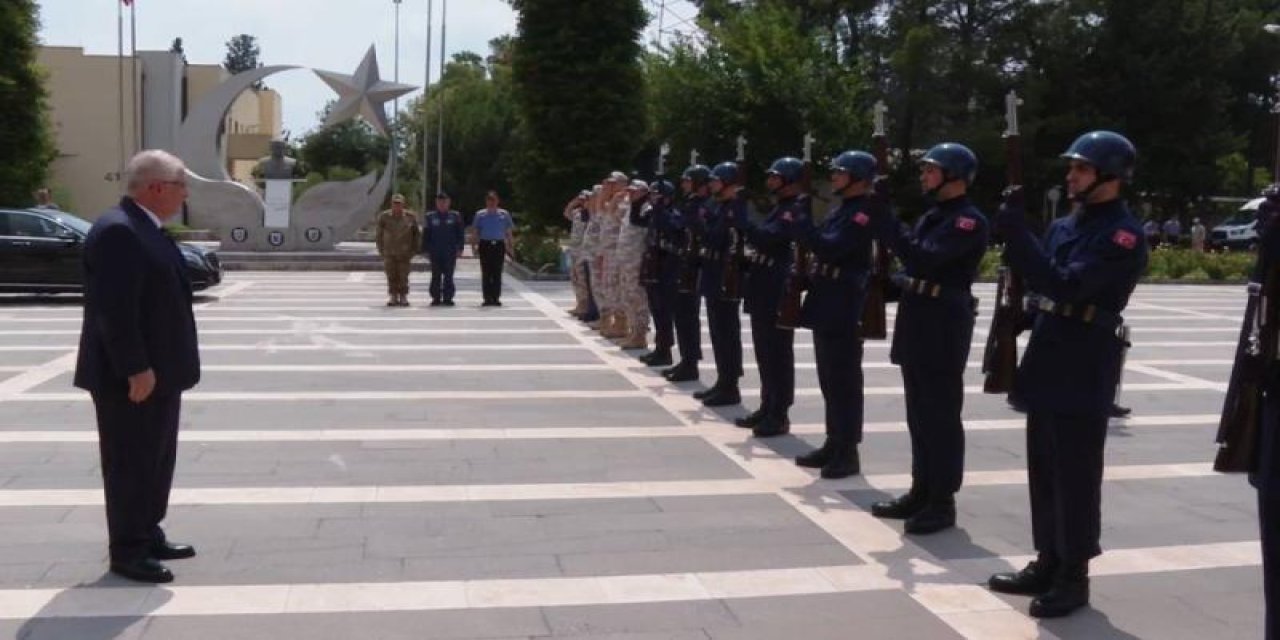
x=492 y=241
x=1086 y=313
x=927 y=289
x=824 y=270
x=670 y=247
x=762 y=260
x=712 y=255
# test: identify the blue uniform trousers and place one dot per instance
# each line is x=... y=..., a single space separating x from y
x=725 y=325
x=1268 y=483
x=934 y=402
x=1064 y=474
x=776 y=360
x=660 y=304
x=839 y=356
x=442 y=266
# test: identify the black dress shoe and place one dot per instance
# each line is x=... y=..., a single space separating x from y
x=899 y=508
x=723 y=397
x=934 y=517
x=436 y=303
x=171 y=551
x=709 y=391
x=143 y=570
x=1118 y=411
x=815 y=459
x=771 y=428
x=844 y=462
x=657 y=358
x=1034 y=579
x=1016 y=404
x=684 y=372
x=751 y=419
x=1068 y=593
x=449 y=303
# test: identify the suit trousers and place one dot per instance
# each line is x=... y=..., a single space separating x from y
x=660 y=309
x=1064 y=472
x=839 y=357
x=492 y=259
x=138 y=444
x=776 y=360
x=397 y=269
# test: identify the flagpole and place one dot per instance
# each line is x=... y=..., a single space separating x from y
x=134 y=81
x=444 y=30
x=395 y=122
x=120 y=69
x=426 y=112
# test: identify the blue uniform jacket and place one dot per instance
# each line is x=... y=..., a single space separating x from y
x=1094 y=256
x=443 y=234
x=841 y=250
x=945 y=247
x=137 y=307
x=717 y=240
x=771 y=239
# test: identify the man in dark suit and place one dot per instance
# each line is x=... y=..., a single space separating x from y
x=138 y=354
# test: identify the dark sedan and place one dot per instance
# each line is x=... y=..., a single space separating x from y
x=40 y=252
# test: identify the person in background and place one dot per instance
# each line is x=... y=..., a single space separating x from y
x=443 y=235
x=1172 y=232
x=44 y=199
x=1198 y=235
x=397 y=241
x=493 y=235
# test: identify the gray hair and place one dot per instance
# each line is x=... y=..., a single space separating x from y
x=150 y=166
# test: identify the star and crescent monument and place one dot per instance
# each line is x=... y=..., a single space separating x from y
x=325 y=214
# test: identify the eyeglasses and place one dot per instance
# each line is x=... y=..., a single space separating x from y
x=176 y=183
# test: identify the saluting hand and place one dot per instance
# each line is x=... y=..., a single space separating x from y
x=141 y=385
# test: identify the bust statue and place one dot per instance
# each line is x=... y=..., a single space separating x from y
x=278 y=166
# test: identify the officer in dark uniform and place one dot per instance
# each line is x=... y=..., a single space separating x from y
x=765 y=282
x=443 y=235
x=664 y=238
x=723 y=228
x=685 y=309
x=832 y=309
x=1085 y=271
x=932 y=332
x=1267 y=478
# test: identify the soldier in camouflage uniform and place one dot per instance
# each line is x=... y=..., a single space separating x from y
x=575 y=213
x=631 y=245
x=613 y=323
x=397 y=239
x=591 y=252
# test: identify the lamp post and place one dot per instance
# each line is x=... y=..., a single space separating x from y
x=395 y=126
x=1274 y=29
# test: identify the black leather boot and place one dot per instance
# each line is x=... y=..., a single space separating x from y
x=772 y=427
x=817 y=458
x=657 y=358
x=686 y=371
x=751 y=419
x=934 y=517
x=1034 y=579
x=901 y=507
x=844 y=462
x=1069 y=591
x=725 y=396
x=709 y=391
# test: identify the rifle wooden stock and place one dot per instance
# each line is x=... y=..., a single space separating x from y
x=793 y=295
x=875 y=324
x=1000 y=359
x=1241 y=422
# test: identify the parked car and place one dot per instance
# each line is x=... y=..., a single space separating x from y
x=1239 y=231
x=41 y=251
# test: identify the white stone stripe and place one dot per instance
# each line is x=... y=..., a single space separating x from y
x=1179 y=378
x=438 y=595
x=357 y=396
x=35 y=376
x=1113 y=562
x=348 y=308
x=88 y=435
x=226 y=291
x=312 y=330
x=271 y=348
x=207 y=316
x=397 y=368
x=401 y=494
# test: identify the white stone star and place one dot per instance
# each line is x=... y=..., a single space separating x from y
x=363 y=93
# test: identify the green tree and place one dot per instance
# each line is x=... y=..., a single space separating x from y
x=579 y=91
x=243 y=54
x=26 y=144
x=351 y=147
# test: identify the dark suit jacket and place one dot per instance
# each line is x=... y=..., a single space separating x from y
x=137 y=309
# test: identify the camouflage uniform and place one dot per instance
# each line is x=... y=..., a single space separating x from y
x=397 y=239
x=610 y=225
x=591 y=254
x=632 y=300
x=577 y=262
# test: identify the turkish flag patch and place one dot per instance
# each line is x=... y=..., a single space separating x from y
x=965 y=223
x=1125 y=239
x=786 y=216
x=861 y=218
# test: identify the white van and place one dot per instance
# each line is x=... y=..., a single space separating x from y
x=1239 y=231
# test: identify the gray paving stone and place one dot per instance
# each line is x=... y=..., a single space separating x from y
x=638 y=618
x=489 y=624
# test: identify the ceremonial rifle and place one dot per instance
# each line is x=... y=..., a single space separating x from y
x=874 y=325
x=1000 y=360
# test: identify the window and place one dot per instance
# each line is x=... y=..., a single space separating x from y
x=26 y=225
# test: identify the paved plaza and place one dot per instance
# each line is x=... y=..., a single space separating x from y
x=348 y=471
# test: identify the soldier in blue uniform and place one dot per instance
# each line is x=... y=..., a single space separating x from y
x=685 y=308
x=722 y=227
x=932 y=332
x=765 y=282
x=663 y=238
x=832 y=309
x=1084 y=271
x=443 y=235
x=1267 y=478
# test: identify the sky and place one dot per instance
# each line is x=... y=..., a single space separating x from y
x=330 y=35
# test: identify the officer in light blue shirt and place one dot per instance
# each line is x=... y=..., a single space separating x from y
x=493 y=236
